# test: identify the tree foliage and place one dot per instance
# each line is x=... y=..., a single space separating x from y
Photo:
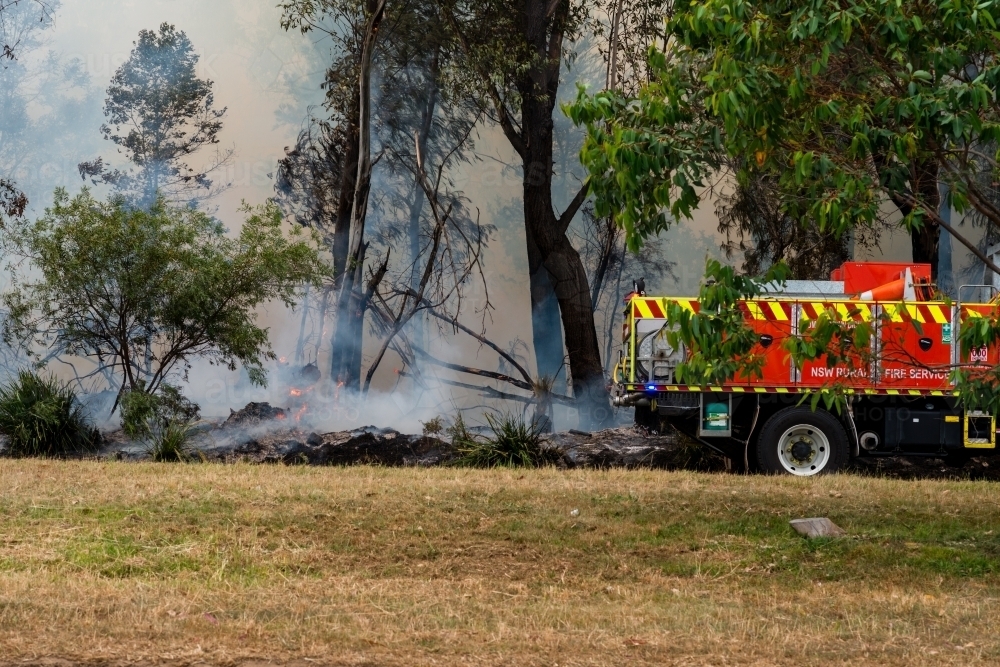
x=19 y=21
x=159 y=114
x=847 y=104
x=142 y=293
x=13 y=29
x=756 y=227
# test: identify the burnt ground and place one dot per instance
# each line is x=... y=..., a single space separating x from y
x=262 y=434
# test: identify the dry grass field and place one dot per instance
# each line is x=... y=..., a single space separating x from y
x=108 y=563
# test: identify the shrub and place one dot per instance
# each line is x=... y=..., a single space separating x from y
x=433 y=427
x=162 y=419
x=459 y=432
x=138 y=413
x=43 y=417
x=515 y=443
x=143 y=413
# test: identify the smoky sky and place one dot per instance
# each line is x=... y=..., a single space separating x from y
x=265 y=76
x=270 y=81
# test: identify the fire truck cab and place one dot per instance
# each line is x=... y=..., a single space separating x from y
x=901 y=401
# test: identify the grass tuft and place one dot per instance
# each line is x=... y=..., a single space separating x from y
x=169 y=443
x=516 y=443
x=43 y=417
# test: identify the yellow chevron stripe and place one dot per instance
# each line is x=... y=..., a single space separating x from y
x=842 y=311
x=779 y=312
x=915 y=313
x=686 y=304
x=893 y=311
x=643 y=308
x=739 y=390
x=760 y=390
x=782 y=390
x=973 y=313
x=865 y=311
x=939 y=314
x=755 y=310
x=915 y=392
x=892 y=392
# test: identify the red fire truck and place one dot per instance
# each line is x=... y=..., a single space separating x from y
x=900 y=401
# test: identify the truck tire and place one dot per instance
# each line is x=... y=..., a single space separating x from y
x=799 y=441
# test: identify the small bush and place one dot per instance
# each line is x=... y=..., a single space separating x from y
x=459 y=432
x=433 y=427
x=43 y=417
x=162 y=419
x=515 y=444
x=138 y=413
x=143 y=413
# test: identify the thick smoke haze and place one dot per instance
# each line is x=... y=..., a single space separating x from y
x=270 y=80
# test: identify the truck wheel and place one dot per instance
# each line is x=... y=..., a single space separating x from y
x=799 y=441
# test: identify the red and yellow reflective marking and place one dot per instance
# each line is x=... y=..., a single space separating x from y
x=937 y=313
x=844 y=311
x=648 y=308
x=774 y=311
x=792 y=390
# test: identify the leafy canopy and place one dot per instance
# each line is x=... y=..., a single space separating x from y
x=144 y=292
x=159 y=113
x=848 y=104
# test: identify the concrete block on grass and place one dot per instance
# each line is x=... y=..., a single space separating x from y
x=817 y=527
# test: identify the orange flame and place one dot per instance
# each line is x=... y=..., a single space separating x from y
x=296 y=392
x=302 y=411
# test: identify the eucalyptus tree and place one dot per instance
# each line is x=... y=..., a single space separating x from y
x=160 y=113
x=396 y=55
x=515 y=54
x=14 y=31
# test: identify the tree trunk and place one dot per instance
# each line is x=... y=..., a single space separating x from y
x=300 y=344
x=416 y=325
x=349 y=327
x=924 y=240
x=546 y=325
x=539 y=87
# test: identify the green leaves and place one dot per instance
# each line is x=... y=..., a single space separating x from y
x=839 y=102
x=143 y=292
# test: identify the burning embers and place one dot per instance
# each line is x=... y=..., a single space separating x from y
x=302 y=382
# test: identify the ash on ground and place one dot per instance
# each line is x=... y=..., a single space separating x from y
x=265 y=434
x=262 y=433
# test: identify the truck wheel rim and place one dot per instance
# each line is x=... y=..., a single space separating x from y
x=803 y=450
